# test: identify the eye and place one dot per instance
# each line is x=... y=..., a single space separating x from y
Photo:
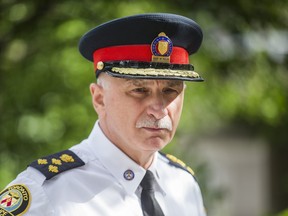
x=140 y=90
x=170 y=91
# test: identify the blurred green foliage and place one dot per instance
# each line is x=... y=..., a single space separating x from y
x=44 y=96
x=284 y=213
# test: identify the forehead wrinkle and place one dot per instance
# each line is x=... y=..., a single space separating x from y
x=138 y=82
x=172 y=83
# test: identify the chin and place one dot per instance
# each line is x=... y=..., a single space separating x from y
x=155 y=144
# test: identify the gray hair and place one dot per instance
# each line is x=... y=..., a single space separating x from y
x=102 y=81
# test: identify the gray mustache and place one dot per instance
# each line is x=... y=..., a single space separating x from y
x=164 y=123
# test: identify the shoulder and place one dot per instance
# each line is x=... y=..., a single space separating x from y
x=175 y=172
x=16 y=198
x=57 y=163
x=173 y=161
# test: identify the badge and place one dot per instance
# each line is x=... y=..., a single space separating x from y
x=161 y=48
x=14 y=200
x=129 y=175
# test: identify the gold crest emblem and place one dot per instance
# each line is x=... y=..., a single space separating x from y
x=163 y=47
x=53 y=169
x=56 y=161
x=67 y=158
x=42 y=161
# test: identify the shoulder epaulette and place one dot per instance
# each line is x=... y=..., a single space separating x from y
x=178 y=163
x=54 y=164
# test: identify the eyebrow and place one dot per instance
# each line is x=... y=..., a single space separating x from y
x=173 y=83
x=136 y=82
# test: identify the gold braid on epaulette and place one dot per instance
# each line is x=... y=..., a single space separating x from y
x=178 y=162
x=57 y=163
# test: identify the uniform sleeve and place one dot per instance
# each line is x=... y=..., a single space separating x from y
x=199 y=200
x=26 y=196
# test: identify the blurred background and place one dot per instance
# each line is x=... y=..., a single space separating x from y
x=233 y=131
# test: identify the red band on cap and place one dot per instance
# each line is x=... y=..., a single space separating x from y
x=136 y=53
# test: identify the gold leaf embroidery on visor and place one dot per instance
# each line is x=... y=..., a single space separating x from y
x=155 y=72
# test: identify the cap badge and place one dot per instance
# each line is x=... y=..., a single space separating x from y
x=161 y=48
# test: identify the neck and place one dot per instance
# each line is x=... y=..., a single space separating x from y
x=141 y=157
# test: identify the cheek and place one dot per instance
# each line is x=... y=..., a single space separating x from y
x=120 y=109
x=113 y=106
x=175 y=109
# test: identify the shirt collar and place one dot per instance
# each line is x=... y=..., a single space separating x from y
x=117 y=162
x=154 y=170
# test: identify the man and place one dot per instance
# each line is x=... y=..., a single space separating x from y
x=141 y=63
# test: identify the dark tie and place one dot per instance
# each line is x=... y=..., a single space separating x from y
x=150 y=206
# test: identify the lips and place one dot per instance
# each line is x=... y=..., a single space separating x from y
x=154 y=129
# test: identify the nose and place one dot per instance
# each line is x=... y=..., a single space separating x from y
x=157 y=107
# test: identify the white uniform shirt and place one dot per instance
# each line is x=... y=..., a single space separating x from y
x=100 y=188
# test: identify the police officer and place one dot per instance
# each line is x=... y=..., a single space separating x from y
x=141 y=63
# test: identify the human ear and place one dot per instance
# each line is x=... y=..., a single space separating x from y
x=97 y=97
